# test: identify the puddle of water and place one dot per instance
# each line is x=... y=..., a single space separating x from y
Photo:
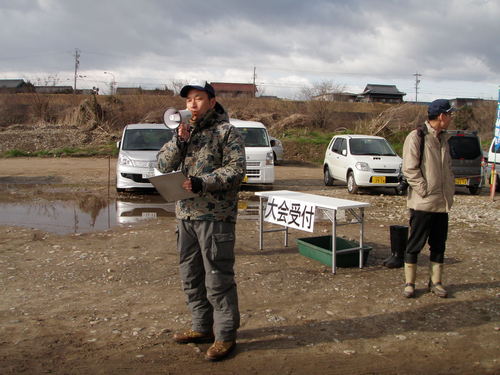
x=86 y=214
x=32 y=180
x=89 y=213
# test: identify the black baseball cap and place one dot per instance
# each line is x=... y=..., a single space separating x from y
x=439 y=106
x=198 y=85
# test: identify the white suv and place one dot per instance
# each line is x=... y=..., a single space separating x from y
x=361 y=161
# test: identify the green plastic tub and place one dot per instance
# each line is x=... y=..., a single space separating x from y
x=320 y=249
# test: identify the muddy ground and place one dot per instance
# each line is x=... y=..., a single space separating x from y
x=107 y=302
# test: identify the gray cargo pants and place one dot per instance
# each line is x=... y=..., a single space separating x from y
x=206 y=250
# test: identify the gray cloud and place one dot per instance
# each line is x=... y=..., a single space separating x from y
x=154 y=40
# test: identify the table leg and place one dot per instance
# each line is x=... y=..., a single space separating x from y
x=334 y=242
x=361 y=232
x=261 y=224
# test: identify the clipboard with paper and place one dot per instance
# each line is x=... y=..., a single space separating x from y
x=169 y=185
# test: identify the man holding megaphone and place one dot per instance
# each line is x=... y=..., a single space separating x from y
x=211 y=154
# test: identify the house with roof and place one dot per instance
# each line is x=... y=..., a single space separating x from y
x=381 y=93
x=13 y=86
x=234 y=90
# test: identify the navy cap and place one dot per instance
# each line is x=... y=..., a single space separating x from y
x=198 y=85
x=439 y=106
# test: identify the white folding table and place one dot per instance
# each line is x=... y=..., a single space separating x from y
x=328 y=205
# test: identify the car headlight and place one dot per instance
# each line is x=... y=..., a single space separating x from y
x=270 y=158
x=362 y=166
x=124 y=160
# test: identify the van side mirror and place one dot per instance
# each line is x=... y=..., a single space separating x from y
x=273 y=143
x=344 y=152
x=118 y=145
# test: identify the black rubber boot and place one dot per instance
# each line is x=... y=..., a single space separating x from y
x=399 y=239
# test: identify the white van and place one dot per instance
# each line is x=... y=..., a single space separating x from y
x=138 y=148
x=259 y=154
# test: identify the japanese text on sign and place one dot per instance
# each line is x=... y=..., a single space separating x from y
x=290 y=213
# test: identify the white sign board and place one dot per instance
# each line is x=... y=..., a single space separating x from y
x=290 y=213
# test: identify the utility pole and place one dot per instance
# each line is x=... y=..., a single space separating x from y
x=77 y=63
x=254 y=76
x=417 y=81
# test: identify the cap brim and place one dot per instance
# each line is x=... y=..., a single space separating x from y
x=185 y=90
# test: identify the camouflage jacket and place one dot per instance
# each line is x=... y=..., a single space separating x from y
x=215 y=153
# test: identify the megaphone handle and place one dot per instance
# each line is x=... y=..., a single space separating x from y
x=184 y=132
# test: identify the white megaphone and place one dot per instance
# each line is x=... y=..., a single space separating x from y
x=173 y=117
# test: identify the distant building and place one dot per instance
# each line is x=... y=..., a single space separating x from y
x=460 y=102
x=337 y=97
x=141 y=91
x=54 y=89
x=268 y=97
x=92 y=91
x=128 y=91
x=13 y=86
x=234 y=90
x=381 y=93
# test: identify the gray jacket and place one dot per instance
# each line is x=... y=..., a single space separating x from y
x=432 y=184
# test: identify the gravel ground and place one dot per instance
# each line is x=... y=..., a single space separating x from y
x=107 y=302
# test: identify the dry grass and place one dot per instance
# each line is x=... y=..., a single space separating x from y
x=111 y=113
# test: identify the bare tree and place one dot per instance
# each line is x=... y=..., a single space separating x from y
x=323 y=91
x=177 y=85
x=319 y=98
x=50 y=80
x=261 y=90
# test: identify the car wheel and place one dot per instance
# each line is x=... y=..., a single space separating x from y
x=327 y=178
x=275 y=158
x=475 y=190
x=352 y=188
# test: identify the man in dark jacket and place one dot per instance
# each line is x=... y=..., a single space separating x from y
x=211 y=154
x=430 y=195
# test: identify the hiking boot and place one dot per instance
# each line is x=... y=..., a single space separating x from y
x=220 y=350
x=189 y=336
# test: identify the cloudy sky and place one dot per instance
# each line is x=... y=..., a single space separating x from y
x=453 y=44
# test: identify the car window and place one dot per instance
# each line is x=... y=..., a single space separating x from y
x=370 y=146
x=343 y=145
x=146 y=139
x=493 y=147
x=254 y=137
x=336 y=145
x=464 y=148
